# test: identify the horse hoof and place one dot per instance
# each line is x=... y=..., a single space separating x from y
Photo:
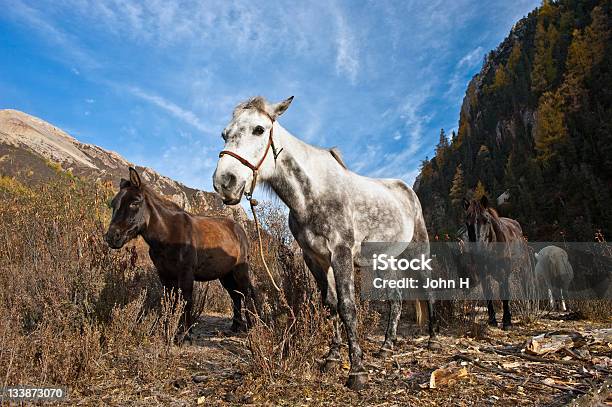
x=329 y=365
x=493 y=323
x=507 y=326
x=357 y=380
x=383 y=353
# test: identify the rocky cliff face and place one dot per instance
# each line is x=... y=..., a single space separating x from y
x=32 y=150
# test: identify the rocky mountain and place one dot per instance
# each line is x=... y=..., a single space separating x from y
x=535 y=130
x=32 y=150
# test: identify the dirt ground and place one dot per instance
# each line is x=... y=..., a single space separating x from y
x=214 y=370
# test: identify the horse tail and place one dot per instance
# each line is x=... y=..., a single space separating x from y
x=420 y=235
x=411 y=203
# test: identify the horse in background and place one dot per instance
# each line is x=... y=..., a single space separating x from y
x=183 y=247
x=554 y=274
x=499 y=239
x=332 y=211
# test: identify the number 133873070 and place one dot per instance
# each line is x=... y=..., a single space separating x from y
x=32 y=393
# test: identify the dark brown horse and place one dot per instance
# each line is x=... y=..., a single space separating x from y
x=502 y=241
x=184 y=247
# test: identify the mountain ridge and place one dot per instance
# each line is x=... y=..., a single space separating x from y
x=28 y=145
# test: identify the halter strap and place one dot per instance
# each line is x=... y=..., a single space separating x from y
x=255 y=168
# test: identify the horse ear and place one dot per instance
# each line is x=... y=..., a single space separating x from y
x=484 y=201
x=124 y=183
x=466 y=204
x=280 y=108
x=135 y=178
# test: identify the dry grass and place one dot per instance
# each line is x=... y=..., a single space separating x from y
x=76 y=314
x=70 y=309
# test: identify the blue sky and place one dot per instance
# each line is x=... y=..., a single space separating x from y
x=156 y=81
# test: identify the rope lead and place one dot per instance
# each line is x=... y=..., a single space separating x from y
x=253 y=203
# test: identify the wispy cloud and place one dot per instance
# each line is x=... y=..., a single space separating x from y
x=462 y=72
x=402 y=161
x=185 y=115
x=471 y=59
x=347 y=61
x=33 y=18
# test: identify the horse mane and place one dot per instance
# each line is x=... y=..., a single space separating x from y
x=258 y=103
x=476 y=207
x=155 y=197
x=493 y=213
x=338 y=156
x=500 y=236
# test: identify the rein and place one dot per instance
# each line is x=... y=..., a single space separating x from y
x=249 y=195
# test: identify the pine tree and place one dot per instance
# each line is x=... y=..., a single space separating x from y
x=551 y=131
x=457 y=191
x=441 y=149
x=501 y=81
x=480 y=191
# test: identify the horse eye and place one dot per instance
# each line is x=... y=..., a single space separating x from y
x=258 y=130
x=135 y=204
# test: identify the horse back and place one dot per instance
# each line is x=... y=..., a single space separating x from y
x=223 y=234
x=511 y=230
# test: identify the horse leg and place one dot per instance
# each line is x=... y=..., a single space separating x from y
x=395 y=310
x=491 y=311
x=562 y=300
x=433 y=321
x=228 y=282
x=551 y=299
x=244 y=285
x=342 y=264
x=487 y=291
x=185 y=284
x=507 y=318
x=490 y=307
x=330 y=301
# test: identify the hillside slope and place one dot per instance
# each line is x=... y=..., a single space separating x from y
x=31 y=151
x=535 y=130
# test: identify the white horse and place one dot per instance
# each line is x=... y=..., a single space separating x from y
x=554 y=274
x=332 y=211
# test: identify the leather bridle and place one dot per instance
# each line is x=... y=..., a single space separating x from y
x=255 y=168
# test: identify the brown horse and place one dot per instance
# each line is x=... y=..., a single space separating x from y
x=184 y=247
x=503 y=239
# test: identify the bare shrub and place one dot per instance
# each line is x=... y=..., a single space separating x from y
x=71 y=310
x=291 y=327
x=526 y=296
x=596 y=310
x=214 y=297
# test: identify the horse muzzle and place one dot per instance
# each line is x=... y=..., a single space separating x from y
x=115 y=239
x=231 y=195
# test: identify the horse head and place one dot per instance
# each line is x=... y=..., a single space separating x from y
x=129 y=212
x=479 y=220
x=248 y=139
